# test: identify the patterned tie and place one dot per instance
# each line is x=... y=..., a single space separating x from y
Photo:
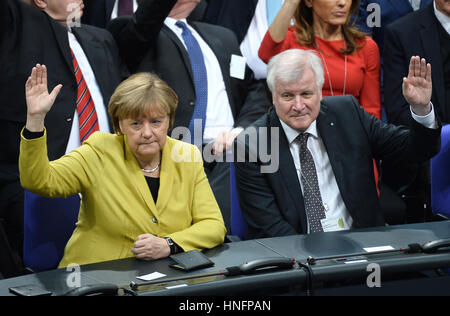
x=87 y=116
x=200 y=82
x=272 y=8
x=311 y=193
x=125 y=7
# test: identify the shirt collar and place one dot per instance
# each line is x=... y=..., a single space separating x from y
x=292 y=134
x=170 y=22
x=442 y=18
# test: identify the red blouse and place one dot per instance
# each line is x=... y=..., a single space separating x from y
x=363 y=68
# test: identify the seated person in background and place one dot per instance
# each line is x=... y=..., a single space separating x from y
x=202 y=63
x=142 y=191
x=351 y=60
x=320 y=175
x=100 y=12
x=425 y=32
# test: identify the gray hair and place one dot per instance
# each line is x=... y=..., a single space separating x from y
x=289 y=65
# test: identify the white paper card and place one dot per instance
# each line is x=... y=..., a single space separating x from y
x=381 y=248
x=355 y=261
x=151 y=276
x=332 y=224
x=176 y=286
x=237 y=66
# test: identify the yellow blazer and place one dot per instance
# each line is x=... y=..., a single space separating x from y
x=116 y=204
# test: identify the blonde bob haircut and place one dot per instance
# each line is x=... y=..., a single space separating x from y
x=141 y=94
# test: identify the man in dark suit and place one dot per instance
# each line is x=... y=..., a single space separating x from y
x=420 y=33
x=383 y=13
x=38 y=33
x=154 y=43
x=320 y=173
x=100 y=12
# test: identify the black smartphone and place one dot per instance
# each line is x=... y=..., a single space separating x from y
x=29 y=290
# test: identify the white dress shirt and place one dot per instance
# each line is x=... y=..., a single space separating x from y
x=218 y=112
x=94 y=89
x=252 y=40
x=442 y=18
x=329 y=189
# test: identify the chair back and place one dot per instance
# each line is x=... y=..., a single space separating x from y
x=440 y=176
x=48 y=225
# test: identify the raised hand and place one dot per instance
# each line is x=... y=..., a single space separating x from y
x=39 y=101
x=417 y=87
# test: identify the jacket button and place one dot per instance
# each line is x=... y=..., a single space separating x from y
x=192 y=103
x=154 y=220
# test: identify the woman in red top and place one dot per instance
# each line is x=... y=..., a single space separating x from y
x=351 y=60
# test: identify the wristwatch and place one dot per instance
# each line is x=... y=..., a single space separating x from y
x=171 y=245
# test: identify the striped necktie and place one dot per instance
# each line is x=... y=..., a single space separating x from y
x=87 y=116
x=125 y=7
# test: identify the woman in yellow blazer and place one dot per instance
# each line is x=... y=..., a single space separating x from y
x=121 y=175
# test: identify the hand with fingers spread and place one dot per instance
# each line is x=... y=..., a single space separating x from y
x=417 y=87
x=39 y=101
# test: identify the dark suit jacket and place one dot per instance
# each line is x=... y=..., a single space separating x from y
x=97 y=12
x=148 y=45
x=272 y=203
x=235 y=15
x=32 y=37
x=414 y=34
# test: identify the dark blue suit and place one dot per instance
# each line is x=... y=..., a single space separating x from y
x=391 y=10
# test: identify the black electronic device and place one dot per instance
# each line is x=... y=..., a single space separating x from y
x=435 y=245
x=29 y=290
x=266 y=263
x=95 y=289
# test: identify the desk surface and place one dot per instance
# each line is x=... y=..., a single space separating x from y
x=122 y=272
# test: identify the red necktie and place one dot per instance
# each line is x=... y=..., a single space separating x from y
x=87 y=116
x=125 y=7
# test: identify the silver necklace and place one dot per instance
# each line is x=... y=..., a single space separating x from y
x=152 y=170
x=328 y=74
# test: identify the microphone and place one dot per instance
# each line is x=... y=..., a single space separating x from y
x=250 y=267
x=429 y=247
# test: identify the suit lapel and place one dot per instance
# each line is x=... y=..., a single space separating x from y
x=329 y=133
x=139 y=181
x=181 y=49
x=288 y=172
x=219 y=51
x=223 y=58
x=166 y=176
x=430 y=39
x=62 y=39
x=94 y=52
x=109 y=6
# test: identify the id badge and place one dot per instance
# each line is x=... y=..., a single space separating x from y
x=332 y=224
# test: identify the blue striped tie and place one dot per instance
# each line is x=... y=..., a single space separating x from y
x=200 y=82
